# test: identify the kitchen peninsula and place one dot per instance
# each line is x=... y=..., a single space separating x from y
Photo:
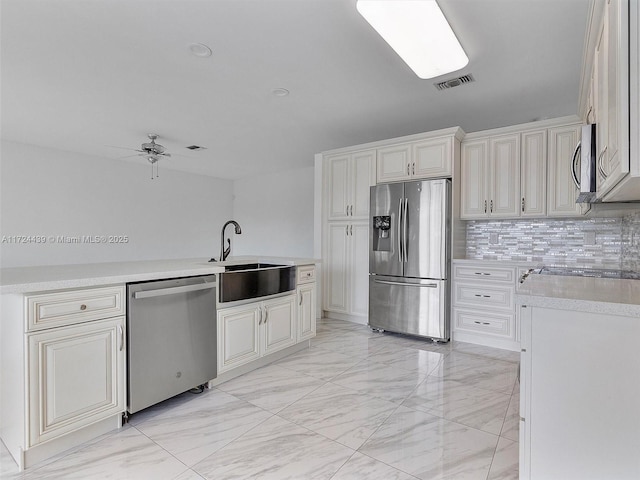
x=580 y=371
x=64 y=343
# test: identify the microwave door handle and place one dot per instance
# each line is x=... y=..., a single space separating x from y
x=400 y=231
x=574 y=162
x=600 y=167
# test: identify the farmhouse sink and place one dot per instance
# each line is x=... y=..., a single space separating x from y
x=254 y=280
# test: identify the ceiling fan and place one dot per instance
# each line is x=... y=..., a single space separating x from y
x=152 y=151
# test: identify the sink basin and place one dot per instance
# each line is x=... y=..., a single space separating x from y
x=255 y=280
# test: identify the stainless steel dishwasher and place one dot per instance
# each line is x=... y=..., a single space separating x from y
x=171 y=338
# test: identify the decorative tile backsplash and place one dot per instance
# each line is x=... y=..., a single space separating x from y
x=596 y=241
x=631 y=242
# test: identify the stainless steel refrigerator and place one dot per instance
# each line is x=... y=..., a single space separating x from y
x=409 y=258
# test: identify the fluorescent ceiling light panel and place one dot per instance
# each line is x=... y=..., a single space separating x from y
x=418 y=31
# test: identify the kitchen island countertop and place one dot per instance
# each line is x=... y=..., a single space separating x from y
x=56 y=277
x=585 y=294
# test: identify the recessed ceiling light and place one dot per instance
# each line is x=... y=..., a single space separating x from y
x=280 y=92
x=418 y=32
x=200 y=50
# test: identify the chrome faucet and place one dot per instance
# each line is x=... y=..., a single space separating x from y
x=224 y=252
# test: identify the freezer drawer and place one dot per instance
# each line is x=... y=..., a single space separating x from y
x=412 y=306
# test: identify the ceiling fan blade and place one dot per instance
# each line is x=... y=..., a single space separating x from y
x=128 y=156
x=122 y=148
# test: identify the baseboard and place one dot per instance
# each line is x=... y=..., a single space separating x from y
x=361 y=320
x=261 y=362
x=46 y=450
x=486 y=341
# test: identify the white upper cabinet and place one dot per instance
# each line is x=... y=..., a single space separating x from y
x=394 y=163
x=522 y=173
x=615 y=43
x=433 y=158
x=612 y=158
x=491 y=177
x=533 y=174
x=429 y=158
x=474 y=185
x=349 y=177
x=562 y=190
x=504 y=185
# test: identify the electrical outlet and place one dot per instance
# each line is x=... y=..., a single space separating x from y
x=589 y=238
x=493 y=238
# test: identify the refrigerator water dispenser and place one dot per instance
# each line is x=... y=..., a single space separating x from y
x=381 y=227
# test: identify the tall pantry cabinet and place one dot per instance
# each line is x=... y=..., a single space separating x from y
x=346 y=181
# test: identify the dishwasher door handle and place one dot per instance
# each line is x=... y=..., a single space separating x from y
x=173 y=290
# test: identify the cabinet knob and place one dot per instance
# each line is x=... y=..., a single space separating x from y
x=83 y=307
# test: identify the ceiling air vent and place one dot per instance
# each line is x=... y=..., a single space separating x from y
x=196 y=147
x=454 y=82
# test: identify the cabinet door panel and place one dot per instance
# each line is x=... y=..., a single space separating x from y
x=306 y=312
x=533 y=174
x=562 y=192
x=432 y=158
x=338 y=187
x=279 y=324
x=359 y=284
x=601 y=95
x=394 y=163
x=362 y=179
x=505 y=176
x=615 y=160
x=76 y=377
x=238 y=336
x=474 y=172
x=336 y=280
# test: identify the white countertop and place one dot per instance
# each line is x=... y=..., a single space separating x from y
x=584 y=294
x=504 y=263
x=57 y=277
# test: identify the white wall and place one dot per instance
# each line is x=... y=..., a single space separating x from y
x=50 y=193
x=276 y=214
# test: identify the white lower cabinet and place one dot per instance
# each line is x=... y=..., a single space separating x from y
x=306 y=311
x=63 y=357
x=347 y=269
x=579 y=390
x=483 y=305
x=76 y=377
x=247 y=332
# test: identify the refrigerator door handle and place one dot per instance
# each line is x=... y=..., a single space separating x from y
x=404 y=232
x=400 y=231
x=404 y=284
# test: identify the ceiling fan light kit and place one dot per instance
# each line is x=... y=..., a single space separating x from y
x=418 y=32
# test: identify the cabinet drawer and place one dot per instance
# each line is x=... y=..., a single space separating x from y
x=75 y=306
x=306 y=274
x=494 y=274
x=484 y=296
x=491 y=324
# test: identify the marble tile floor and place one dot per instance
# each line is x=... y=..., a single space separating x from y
x=356 y=405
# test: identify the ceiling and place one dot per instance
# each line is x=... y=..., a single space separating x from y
x=85 y=76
